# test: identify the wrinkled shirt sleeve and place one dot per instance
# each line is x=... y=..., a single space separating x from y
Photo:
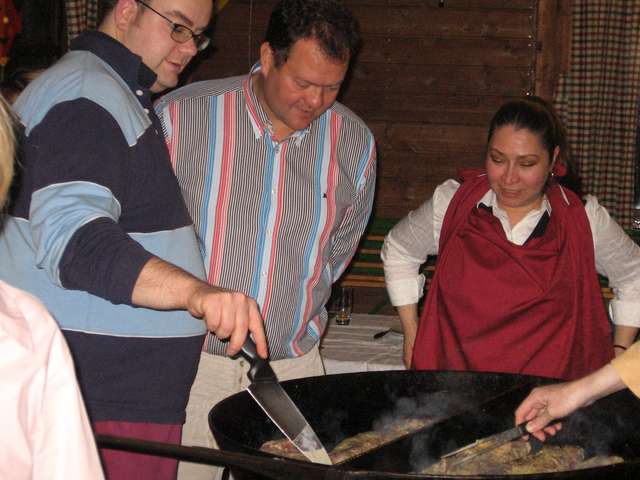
x=348 y=235
x=617 y=257
x=409 y=243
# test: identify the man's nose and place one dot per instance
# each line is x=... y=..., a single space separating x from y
x=189 y=47
x=315 y=97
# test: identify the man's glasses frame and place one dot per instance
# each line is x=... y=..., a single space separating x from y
x=181 y=33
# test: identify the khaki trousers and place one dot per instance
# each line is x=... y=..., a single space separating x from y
x=218 y=378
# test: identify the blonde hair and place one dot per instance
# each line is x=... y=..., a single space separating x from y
x=7 y=148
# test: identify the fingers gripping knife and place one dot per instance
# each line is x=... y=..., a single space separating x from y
x=269 y=394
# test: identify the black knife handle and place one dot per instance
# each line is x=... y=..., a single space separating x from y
x=260 y=370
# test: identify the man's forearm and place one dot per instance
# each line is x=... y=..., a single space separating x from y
x=163 y=286
x=226 y=313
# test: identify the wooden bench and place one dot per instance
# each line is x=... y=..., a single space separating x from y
x=366 y=268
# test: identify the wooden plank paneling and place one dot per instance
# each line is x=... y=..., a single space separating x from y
x=426 y=172
x=447 y=51
x=451 y=4
x=437 y=79
x=427 y=81
x=422 y=137
x=455 y=109
x=553 y=42
x=443 y=22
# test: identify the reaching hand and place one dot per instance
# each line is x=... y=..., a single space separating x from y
x=547 y=403
x=543 y=405
x=229 y=314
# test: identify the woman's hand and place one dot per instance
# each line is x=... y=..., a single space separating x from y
x=544 y=404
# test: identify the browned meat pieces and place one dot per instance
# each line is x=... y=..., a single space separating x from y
x=353 y=446
x=516 y=458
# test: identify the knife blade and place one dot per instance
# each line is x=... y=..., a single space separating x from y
x=276 y=403
x=484 y=445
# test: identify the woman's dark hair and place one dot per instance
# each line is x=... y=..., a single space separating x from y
x=537 y=116
x=327 y=21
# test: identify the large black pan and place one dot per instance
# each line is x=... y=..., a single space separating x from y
x=469 y=405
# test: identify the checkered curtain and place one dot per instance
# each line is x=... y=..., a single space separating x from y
x=598 y=99
x=81 y=15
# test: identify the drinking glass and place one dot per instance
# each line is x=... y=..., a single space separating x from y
x=344 y=305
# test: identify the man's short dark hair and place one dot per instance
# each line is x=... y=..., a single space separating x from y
x=328 y=22
x=104 y=7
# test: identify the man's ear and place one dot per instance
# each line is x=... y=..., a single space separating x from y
x=267 y=60
x=124 y=13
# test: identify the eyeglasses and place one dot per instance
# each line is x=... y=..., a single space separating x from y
x=181 y=33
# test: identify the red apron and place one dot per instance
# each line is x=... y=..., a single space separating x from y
x=498 y=307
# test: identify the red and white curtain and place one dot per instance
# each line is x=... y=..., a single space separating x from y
x=81 y=15
x=598 y=99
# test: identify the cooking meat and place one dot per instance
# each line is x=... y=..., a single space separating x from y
x=513 y=458
x=493 y=461
x=548 y=459
x=599 y=461
x=353 y=446
x=516 y=458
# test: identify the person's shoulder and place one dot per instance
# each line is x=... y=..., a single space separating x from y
x=591 y=202
x=203 y=90
x=596 y=212
x=350 y=118
x=80 y=74
x=445 y=191
x=23 y=318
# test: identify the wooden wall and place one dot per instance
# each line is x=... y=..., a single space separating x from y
x=428 y=79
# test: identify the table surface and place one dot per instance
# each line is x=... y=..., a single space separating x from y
x=352 y=348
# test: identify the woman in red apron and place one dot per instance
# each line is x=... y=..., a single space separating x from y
x=516 y=287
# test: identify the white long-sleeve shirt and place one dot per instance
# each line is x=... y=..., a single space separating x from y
x=45 y=429
x=415 y=237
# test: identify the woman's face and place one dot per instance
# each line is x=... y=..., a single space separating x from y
x=518 y=166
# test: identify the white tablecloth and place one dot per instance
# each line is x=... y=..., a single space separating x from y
x=352 y=348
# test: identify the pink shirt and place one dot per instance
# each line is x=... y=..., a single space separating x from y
x=45 y=430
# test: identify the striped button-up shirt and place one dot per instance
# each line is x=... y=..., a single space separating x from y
x=278 y=221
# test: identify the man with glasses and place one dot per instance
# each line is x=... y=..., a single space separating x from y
x=99 y=231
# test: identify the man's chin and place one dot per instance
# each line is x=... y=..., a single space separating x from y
x=301 y=124
x=163 y=84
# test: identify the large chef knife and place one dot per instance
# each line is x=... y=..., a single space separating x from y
x=267 y=391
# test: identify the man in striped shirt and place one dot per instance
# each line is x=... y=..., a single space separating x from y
x=279 y=179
